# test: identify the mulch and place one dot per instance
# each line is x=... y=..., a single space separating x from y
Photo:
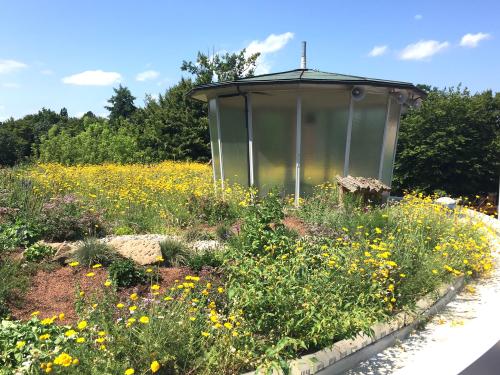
x=54 y=292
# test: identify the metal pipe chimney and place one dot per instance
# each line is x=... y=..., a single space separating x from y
x=303 y=59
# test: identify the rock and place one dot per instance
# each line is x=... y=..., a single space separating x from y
x=64 y=250
x=141 y=251
x=447 y=202
x=205 y=245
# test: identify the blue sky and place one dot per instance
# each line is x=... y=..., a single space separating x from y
x=71 y=53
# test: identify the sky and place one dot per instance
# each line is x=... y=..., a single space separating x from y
x=71 y=54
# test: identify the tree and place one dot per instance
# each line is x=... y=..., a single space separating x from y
x=451 y=143
x=63 y=113
x=122 y=104
x=226 y=67
x=174 y=126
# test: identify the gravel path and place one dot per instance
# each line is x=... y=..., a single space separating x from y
x=467 y=328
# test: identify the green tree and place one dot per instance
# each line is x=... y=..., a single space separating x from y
x=226 y=67
x=121 y=104
x=451 y=143
x=174 y=126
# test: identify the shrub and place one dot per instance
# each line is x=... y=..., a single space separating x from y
x=18 y=234
x=210 y=209
x=173 y=252
x=12 y=281
x=224 y=232
x=92 y=251
x=124 y=273
x=195 y=233
x=206 y=258
x=38 y=252
x=63 y=218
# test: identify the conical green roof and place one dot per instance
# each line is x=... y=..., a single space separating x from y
x=302 y=76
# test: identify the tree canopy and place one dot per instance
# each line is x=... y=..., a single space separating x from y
x=451 y=143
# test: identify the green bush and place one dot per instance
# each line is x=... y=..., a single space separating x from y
x=210 y=210
x=38 y=252
x=92 y=251
x=17 y=234
x=224 y=232
x=205 y=258
x=63 y=218
x=174 y=253
x=124 y=273
x=195 y=233
x=13 y=280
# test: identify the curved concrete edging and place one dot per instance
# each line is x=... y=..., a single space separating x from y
x=345 y=354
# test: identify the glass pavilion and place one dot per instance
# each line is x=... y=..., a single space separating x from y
x=300 y=128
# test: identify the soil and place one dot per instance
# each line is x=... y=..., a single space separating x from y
x=296 y=224
x=54 y=292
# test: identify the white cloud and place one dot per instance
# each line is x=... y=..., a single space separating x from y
x=9 y=66
x=147 y=75
x=93 y=78
x=378 y=51
x=11 y=85
x=422 y=50
x=472 y=40
x=418 y=17
x=271 y=44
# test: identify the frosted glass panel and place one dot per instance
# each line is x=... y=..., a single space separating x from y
x=325 y=116
x=234 y=137
x=274 y=123
x=368 y=122
x=212 y=126
x=390 y=142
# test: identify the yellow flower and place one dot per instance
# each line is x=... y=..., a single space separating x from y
x=206 y=334
x=20 y=344
x=129 y=371
x=107 y=283
x=82 y=293
x=101 y=333
x=75 y=362
x=132 y=308
x=74 y=264
x=168 y=298
x=61 y=316
x=378 y=230
x=220 y=290
x=97 y=266
x=63 y=359
x=47 y=321
x=120 y=305
x=133 y=296
x=45 y=336
x=80 y=340
x=35 y=313
x=100 y=340
x=149 y=270
x=70 y=333
x=159 y=258
x=90 y=274
x=434 y=272
x=155 y=366
x=228 y=325
x=155 y=287
x=82 y=325
x=144 y=319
